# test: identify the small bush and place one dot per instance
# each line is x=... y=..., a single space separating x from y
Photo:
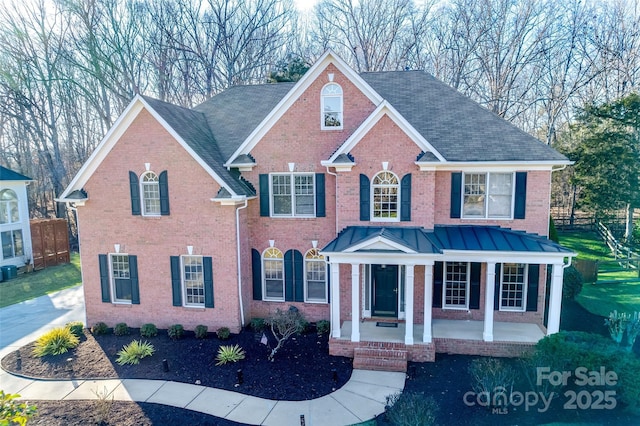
x=493 y=378
x=410 y=409
x=284 y=324
x=121 y=329
x=257 y=324
x=56 y=342
x=229 y=353
x=572 y=283
x=76 y=327
x=176 y=331
x=553 y=232
x=223 y=333
x=134 y=352
x=99 y=328
x=633 y=329
x=148 y=330
x=617 y=322
x=201 y=331
x=14 y=412
x=103 y=405
x=323 y=326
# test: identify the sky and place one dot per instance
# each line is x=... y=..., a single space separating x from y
x=305 y=5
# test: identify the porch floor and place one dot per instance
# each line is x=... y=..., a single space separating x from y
x=447 y=329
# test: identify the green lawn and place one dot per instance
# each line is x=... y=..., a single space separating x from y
x=34 y=284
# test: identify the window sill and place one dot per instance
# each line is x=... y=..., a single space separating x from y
x=200 y=307
x=517 y=311
x=317 y=302
x=274 y=300
x=453 y=308
x=124 y=303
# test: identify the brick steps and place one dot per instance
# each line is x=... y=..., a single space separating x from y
x=380 y=359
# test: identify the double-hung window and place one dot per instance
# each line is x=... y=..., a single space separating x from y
x=488 y=195
x=315 y=277
x=120 y=278
x=331 y=107
x=513 y=290
x=456 y=285
x=150 y=187
x=9 y=212
x=293 y=194
x=193 y=280
x=273 y=267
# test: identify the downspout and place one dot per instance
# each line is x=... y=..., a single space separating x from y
x=238 y=260
x=335 y=201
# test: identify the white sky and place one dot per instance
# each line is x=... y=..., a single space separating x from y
x=305 y=5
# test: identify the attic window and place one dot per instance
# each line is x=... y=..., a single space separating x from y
x=332 y=107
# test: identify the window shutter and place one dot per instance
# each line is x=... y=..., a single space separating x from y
x=532 y=287
x=256 y=266
x=176 y=281
x=134 y=188
x=456 y=195
x=365 y=194
x=164 y=193
x=474 y=296
x=288 y=276
x=207 y=264
x=105 y=285
x=298 y=273
x=405 y=198
x=521 y=196
x=438 y=268
x=320 y=196
x=133 y=275
x=496 y=296
x=264 y=195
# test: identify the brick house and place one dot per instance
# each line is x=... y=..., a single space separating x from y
x=411 y=217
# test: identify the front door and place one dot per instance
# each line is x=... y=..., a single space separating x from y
x=385 y=290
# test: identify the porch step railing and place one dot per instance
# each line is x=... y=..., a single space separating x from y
x=380 y=359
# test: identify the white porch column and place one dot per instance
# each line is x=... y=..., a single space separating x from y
x=489 y=295
x=408 y=305
x=355 y=302
x=335 y=300
x=428 y=302
x=555 y=298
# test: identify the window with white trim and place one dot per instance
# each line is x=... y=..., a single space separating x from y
x=9 y=211
x=455 y=294
x=293 y=194
x=120 y=278
x=273 y=279
x=150 y=189
x=12 y=244
x=192 y=280
x=513 y=289
x=386 y=197
x=332 y=106
x=488 y=195
x=315 y=277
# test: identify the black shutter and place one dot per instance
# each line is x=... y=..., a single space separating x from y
x=288 y=276
x=365 y=194
x=207 y=265
x=456 y=195
x=438 y=269
x=133 y=276
x=105 y=285
x=134 y=189
x=497 y=296
x=256 y=266
x=320 y=196
x=520 y=202
x=176 y=281
x=264 y=195
x=298 y=276
x=164 y=193
x=532 y=287
x=405 y=198
x=474 y=296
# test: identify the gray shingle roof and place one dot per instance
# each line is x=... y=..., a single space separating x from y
x=8 y=174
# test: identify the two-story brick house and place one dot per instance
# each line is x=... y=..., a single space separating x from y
x=386 y=202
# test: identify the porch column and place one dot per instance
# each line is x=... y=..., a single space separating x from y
x=408 y=305
x=555 y=298
x=355 y=302
x=489 y=295
x=428 y=302
x=335 y=300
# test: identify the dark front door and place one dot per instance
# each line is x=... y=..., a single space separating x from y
x=385 y=290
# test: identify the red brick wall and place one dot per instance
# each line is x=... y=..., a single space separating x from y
x=478 y=347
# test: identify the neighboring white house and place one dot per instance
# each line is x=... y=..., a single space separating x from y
x=15 y=232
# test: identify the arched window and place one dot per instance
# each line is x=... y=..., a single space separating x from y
x=150 y=187
x=9 y=211
x=386 y=194
x=273 y=267
x=315 y=278
x=332 y=106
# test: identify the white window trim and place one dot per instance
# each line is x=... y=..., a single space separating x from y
x=292 y=183
x=525 y=285
x=372 y=198
x=467 y=288
x=305 y=260
x=183 y=284
x=142 y=199
x=112 y=281
x=264 y=280
x=486 y=216
x=322 y=97
x=11 y=230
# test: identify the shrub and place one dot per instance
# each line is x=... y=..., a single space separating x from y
x=76 y=327
x=493 y=378
x=134 y=352
x=201 y=331
x=572 y=283
x=56 y=342
x=633 y=329
x=223 y=333
x=257 y=324
x=284 y=324
x=148 y=330
x=323 y=326
x=103 y=405
x=99 y=328
x=553 y=232
x=229 y=353
x=411 y=408
x=176 y=331
x=617 y=322
x=121 y=329
x=14 y=412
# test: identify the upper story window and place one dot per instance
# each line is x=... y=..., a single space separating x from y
x=315 y=277
x=273 y=267
x=488 y=195
x=385 y=193
x=513 y=287
x=293 y=194
x=9 y=211
x=332 y=106
x=150 y=188
x=456 y=285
